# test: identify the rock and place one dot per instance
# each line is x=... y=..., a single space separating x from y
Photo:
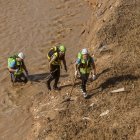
x=52 y=97
x=100 y=89
x=103 y=49
x=104 y=113
x=92 y=105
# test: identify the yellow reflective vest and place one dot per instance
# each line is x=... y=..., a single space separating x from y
x=55 y=52
x=85 y=66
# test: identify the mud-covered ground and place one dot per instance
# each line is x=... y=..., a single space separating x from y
x=111 y=31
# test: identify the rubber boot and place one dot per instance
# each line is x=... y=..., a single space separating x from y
x=48 y=86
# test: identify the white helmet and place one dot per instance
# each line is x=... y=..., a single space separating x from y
x=21 y=55
x=84 y=51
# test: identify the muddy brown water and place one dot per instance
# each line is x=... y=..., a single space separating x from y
x=33 y=26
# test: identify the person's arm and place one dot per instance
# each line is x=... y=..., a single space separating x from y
x=12 y=70
x=65 y=65
x=77 y=67
x=11 y=67
x=52 y=60
x=94 y=68
x=25 y=68
x=93 y=73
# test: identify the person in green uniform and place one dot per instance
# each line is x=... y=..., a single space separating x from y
x=84 y=65
x=55 y=56
x=17 y=68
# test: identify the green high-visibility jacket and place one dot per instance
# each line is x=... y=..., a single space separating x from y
x=17 y=64
x=85 y=66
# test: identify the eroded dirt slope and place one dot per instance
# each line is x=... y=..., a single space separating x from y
x=110 y=29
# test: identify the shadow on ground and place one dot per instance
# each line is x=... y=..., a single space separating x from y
x=42 y=76
x=118 y=79
x=112 y=81
x=104 y=71
x=38 y=77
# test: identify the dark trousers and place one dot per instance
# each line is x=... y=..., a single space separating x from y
x=54 y=75
x=84 y=78
x=18 y=78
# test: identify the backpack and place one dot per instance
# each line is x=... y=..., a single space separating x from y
x=81 y=61
x=52 y=51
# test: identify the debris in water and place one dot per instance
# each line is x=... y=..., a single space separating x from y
x=104 y=113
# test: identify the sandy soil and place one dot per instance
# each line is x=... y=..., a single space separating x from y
x=33 y=26
x=111 y=30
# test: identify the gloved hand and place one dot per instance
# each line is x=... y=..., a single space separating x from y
x=16 y=70
x=94 y=77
